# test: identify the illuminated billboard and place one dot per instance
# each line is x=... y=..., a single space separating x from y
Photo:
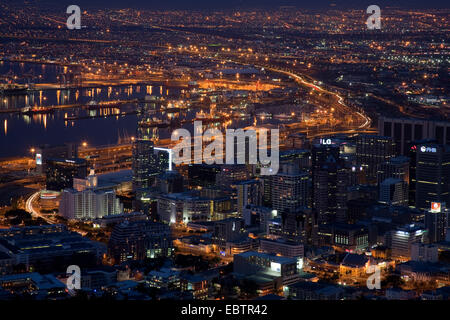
x=38 y=159
x=435 y=207
x=275 y=266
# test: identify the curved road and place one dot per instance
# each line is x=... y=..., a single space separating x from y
x=29 y=207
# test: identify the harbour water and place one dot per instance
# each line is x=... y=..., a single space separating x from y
x=21 y=132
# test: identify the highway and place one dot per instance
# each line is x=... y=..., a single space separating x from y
x=29 y=208
x=363 y=122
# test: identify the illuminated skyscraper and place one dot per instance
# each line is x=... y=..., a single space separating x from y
x=432 y=175
x=436 y=222
x=403 y=238
x=144 y=165
x=371 y=151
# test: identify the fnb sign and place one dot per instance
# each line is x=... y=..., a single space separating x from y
x=428 y=149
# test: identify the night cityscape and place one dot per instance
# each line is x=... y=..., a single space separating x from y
x=251 y=152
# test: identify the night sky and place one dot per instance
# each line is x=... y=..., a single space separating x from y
x=234 y=4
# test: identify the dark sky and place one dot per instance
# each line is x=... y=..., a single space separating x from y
x=234 y=4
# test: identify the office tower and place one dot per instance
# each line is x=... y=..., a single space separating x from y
x=424 y=252
x=202 y=175
x=432 y=175
x=289 y=188
x=137 y=240
x=267 y=191
x=412 y=155
x=405 y=131
x=393 y=192
x=282 y=247
x=249 y=192
x=144 y=166
x=227 y=230
x=162 y=159
x=297 y=140
x=330 y=191
x=321 y=152
x=148 y=162
x=297 y=226
x=170 y=182
x=289 y=191
x=330 y=180
x=89 y=204
x=61 y=172
x=371 y=151
x=300 y=157
x=344 y=178
x=397 y=168
x=258 y=216
x=402 y=239
x=230 y=174
x=45 y=152
x=184 y=208
x=436 y=222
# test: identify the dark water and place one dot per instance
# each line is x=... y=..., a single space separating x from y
x=19 y=133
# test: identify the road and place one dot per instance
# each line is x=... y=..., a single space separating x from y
x=337 y=103
x=29 y=207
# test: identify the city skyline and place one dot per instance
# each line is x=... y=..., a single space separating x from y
x=238 y=151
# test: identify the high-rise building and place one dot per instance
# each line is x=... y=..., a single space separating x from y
x=249 y=192
x=184 y=208
x=144 y=166
x=230 y=174
x=394 y=192
x=321 y=152
x=330 y=180
x=170 y=182
x=258 y=216
x=412 y=155
x=282 y=247
x=61 y=172
x=432 y=175
x=397 y=168
x=406 y=130
x=289 y=188
x=202 y=175
x=148 y=161
x=436 y=222
x=371 y=151
x=424 y=252
x=402 y=239
x=297 y=226
x=45 y=152
x=137 y=240
x=227 y=230
x=89 y=204
x=300 y=157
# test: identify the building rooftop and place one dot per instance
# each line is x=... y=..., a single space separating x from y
x=270 y=257
x=354 y=260
x=42 y=282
